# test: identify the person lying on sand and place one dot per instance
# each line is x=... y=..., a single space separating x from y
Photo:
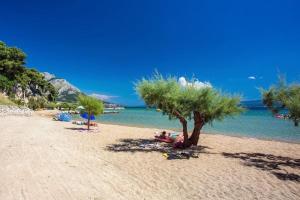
x=178 y=143
x=162 y=135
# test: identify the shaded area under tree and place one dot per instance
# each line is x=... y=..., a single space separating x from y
x=151 y=145
x=268 y=162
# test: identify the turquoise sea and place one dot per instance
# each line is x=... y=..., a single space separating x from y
x=252 y=123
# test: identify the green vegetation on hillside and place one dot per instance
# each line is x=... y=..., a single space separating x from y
x=70 y=98
x=5 y=101
x=16 y=78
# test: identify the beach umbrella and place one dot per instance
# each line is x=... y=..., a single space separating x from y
x=65 y=117
x=86 y=116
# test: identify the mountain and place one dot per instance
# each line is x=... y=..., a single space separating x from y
x=66 y=91
x=253 y=104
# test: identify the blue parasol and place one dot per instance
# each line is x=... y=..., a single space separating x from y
x=65 y=117
x=86 y=116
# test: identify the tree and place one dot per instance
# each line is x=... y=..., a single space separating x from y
x=73 y=106
x=64 y=106
x=68 y=106
x=283 y=97
x=23 y=80
x=53 y=93
x=35 y=103
x=13 y=73
x=203 y=104
x=92 y=106
x=51 y=105
x=12 y=60
x=5 y=84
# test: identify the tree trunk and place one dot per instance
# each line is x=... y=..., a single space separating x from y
x=24 y=97
x=296 y=123
x=183 y=121
x=88 y=122
x=185 y=133
x=198 y=124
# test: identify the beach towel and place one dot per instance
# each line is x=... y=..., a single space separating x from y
x=164 y=139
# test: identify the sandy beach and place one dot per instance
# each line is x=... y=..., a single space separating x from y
x=46 y=159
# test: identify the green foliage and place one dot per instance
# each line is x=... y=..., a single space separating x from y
x=91 y=105
x=203 y=104
x=19 y=102
x=37 y=103
x=14 y=73
x=5 y=84
x=73 y=106
x=64 y=105
x=283 y=96
x=65 y=97
x=167 y=95
x=52 y=92
x=12 y=60
x=32 y=104
x=23 y=80
x=67 y=106
x=51 y=105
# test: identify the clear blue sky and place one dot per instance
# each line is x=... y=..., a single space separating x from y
x=104 y=46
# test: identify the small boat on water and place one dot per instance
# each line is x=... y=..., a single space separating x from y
x=111 y=112
x=115 y=108
x=158 y=110
x=112 y=109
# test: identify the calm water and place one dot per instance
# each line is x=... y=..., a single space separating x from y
x=253 y=123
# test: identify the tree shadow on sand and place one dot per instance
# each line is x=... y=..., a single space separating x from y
x=276 y=165
x=77 y=129
x=151 y=145
x=268 y=162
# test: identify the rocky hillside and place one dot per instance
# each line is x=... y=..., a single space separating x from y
x=20 y=82
x=66 y=91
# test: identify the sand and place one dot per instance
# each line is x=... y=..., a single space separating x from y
x=45 y=159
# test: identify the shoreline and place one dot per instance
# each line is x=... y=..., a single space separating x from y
x=51 y=113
